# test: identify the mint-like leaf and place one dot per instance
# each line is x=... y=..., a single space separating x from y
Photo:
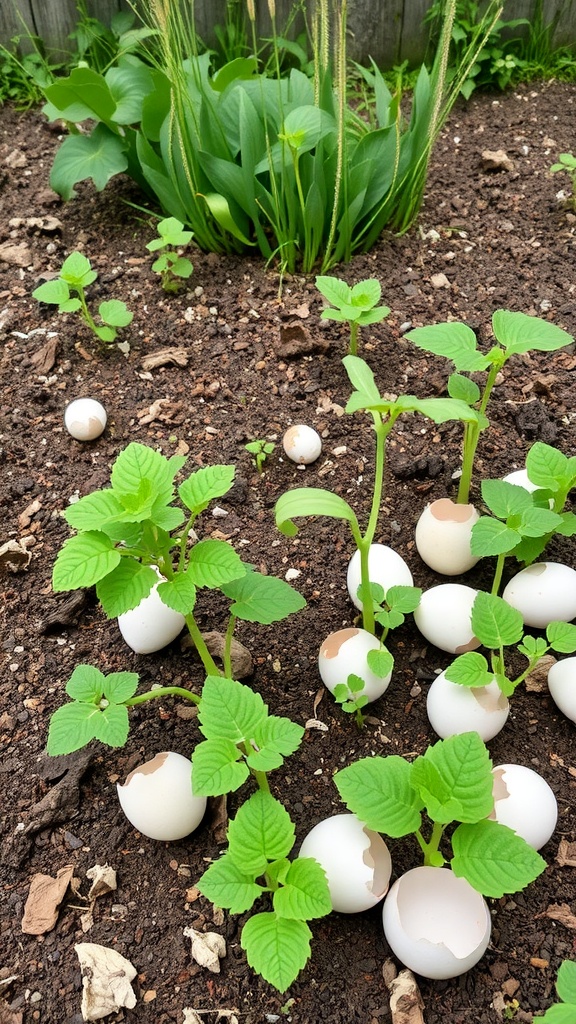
x=263 y=599
x=230 y=710
x=217 y=768
x=505 y=499
x=276 y=948
x=566 y=981
x=470 y=669
x=83 y=560
x=138 y=463
x=225 y=885
x=86 y=684
x=276 y=738
x=205 y=485
x=120 y=686
x=455 y=341
x=490 y=537
x=71 y=728
x=304 y=894
x=261 y=831
x=125 y=587
x=111 y=725
x=179 y=593
x=494 y=859
x=562 y=637
x=94 y=511
x=214 y=562
x=454 y=779
x=495 y=622
x=380 y=662
x=379 y=792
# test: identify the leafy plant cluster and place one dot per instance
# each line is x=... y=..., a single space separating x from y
x=68 y=293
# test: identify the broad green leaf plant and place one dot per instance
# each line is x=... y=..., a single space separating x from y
x=68 y=292
x=567 y=163
x=563 y=1012
x=356 y=305
x=172 y=267
x=514 y=334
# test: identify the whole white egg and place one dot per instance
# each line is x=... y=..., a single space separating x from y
x=544 y=592
x=85 y=419
x=355 y=859
x=344 y=653
x=302 y=444
x=158 y=798
x=562 y=686
x=443 y=616
x=443 y=535
x=453 y=709
x=524 y=802
x=436 y=923
x=151 y=625
x=385 y=566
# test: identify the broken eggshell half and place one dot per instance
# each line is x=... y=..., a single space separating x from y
x=344 y=653
x=436 y=923
x=355 y=859
x=443 y=616
x=544 y=592
x=151 y=625
x=562 y=686
x=443 y=535
x=158 y=799
x=524 y=802
x=452 y=708
x=385 y=567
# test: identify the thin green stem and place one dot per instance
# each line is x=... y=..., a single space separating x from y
x=470 y=444
x=200 y=645
x=431 y=849
x=498 y=574
x=228 y=646
x=381 y=430
x=163 y=691
x=353 y=347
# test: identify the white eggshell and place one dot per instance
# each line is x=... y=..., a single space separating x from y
x=562 y=686
x=302 y=444
x=151 y=625
x=521 y=479
x=544 y=592
x=444 y=617
x=436 y=923
x=356 y=861
x=443 y=535
x=344 y=653
x=453 y=709
x=85 y=419
x=385 y=566
x=158 y=800
x=524 y=802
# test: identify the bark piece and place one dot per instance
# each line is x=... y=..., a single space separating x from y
x=178 y=356
x=560 y=912
x=44 y=358
x=406 y=1003
x=106 y=977
x=566 y=856
x=14 y=557
x=44 y=898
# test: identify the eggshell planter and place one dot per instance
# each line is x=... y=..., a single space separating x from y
x=435 y=923
x=385 y=566
x=453 y=709
x=151 y=625
x=444 y=617
x=344 y=653
x=524 y=802
x=158 y=798
x=443 y=535
x=356 y=861
x=562 y=686
x=544 y=592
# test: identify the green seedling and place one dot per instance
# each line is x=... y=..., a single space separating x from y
x=497 y=626
x=172 y=267
x=514 y=334
x=452 y=782
x=260 y=449
x=563 y=1012
x=567 y=163
x=122 y=531
x=67 y=291
x=356 y=306
x=552 y=471
x=351 y=697
x=384 y=411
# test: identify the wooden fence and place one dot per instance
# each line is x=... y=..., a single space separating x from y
x=390 y=31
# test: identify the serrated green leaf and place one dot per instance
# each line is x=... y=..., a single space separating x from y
x=214 y=562
x=505 y=499
x=403 y=599
x=519 y=332
x=547 y=467
x=379 y=792
x=138 y=463
x=166 y=517
x=111 y=725
x=455 y=341
x=263 y=599
x=86 y=684
x=366 y=294
x=459 y=786
x=71 y=728
x=470 y=669
x=278 y=736
x=225 y=885
x=562 y=637
x=261 y=831
x=380 y=662
x=84 y=560
x=305 y=893
x=566 y=982
x=495 y=622
x=120 y=686
x=229 y=710
x=94 y=511
x=567 y=527
x=463 y=389
x=125 y=587
x=179 y=593
x=205 y=485
x=277 y=948
x=217 y=768
x=490 y=537
x=538 y=522
x=310 y=501
x=494 y=859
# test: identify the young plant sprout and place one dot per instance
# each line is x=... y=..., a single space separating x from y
x=172 y=267
x=563 y=1012
x=356 y=306
x=129 y=534
x=68 y=292
x=260 y=449
x=567 y=164
x=514 y=334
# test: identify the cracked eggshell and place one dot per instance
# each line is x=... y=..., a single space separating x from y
x=151 y=625
x=302 y=444
x=524 y=802
x=355 y=859
x=385 y=566
x=344 y=653
x=85 y=419
x=158 y=799
x=562 y=686
x=443 y=535
x=444 y=617
x=453 y=709
x=436 y=923
x=544 y=592
x=521 y=479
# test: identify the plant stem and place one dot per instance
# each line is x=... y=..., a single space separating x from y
x=353 y=347
x=163 y=691
x=498 y=574
x=381 y=430
x=431 y=848
x=198 y=640
x=228 y=646
x=472 y=433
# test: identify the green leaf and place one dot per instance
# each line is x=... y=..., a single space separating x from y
x=277 y=948
x=490 y=537
x=366 y=294
x=98 y=156
x=204 y=485
x=305 y=893
x=494 y=859
x=562 y=637
x=310 y=501
x=55 y=292
x=260 y=832
x=229 y=710
x=120 y=686
x=454 y=341
x=566 y=981
x=380 y=662
x=538 y=522
x=379 y=792
x=77 y=270
x=560 y=1013
x=470 y=669
x=454 y=779
x=505 y=499
x=111 y=725
x=86 y=684
x=214 y=562
x=463 y=389
x=115 y=313
x=179 y=593
x=403 y=599
x=139 y=466
x=275 y=738
x=217 y=768
x=125 y=587
x=84 y=560
x=495 y=622
x=440 y=410
x=362 y=378
x=518 y=332
x=225 y=885
x=83 y=95
x=263 y=599
x=547 y=467
x=336 y=291
x=71 y=728
x=95 y=511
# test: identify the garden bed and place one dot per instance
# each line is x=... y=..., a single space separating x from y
x=251 y=359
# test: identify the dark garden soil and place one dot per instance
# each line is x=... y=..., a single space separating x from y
x=250 y=360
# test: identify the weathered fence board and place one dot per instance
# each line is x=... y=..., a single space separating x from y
x=388 y=30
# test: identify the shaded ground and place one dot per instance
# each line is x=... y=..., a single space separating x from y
x=500 y=239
